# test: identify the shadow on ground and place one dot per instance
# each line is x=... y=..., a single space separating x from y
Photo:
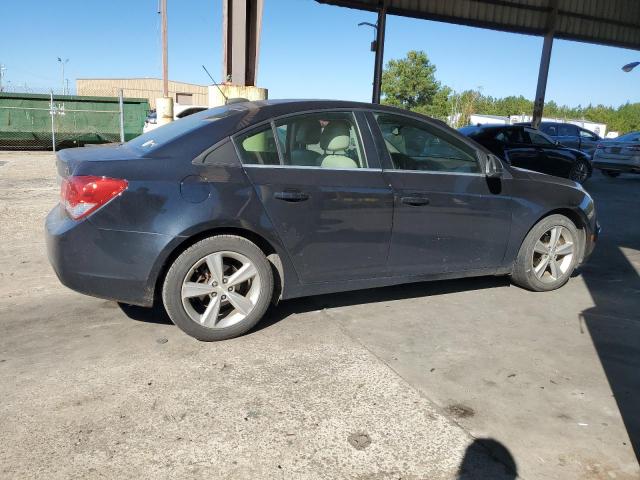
x=613 y=282
x=476 y=454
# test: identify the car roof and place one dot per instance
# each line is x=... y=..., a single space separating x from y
x=488 y=126
x=296 y=105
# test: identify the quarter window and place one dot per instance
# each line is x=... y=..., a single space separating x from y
x=414 y=145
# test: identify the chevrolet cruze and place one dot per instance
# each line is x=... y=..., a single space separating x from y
x=222 y=213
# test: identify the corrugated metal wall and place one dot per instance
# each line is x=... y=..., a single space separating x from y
x=150 y=88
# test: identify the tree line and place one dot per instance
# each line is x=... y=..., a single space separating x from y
x=411 y=83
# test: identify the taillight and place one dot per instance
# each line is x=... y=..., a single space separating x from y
x=84 y=195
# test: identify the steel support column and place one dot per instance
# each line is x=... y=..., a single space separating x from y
x=379 y=62
x=242 y=21
x=545 y=60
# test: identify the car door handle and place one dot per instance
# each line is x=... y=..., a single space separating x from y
x=415 y=201
x=291 y=196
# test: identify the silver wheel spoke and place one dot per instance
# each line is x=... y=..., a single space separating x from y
x=542 y=267
x=244 y=273
x=214 y=301
x=193 y=289
x=555 y=236
x=214 y=264
x=540 y=247
x=564 y=249
x=553 y=266
x=210 y=315
x=554 y=257
x=242 y=304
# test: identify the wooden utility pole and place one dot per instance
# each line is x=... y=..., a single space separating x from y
x=165 y=59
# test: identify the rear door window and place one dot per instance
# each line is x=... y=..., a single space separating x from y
x=567 y=130
x=322 y=139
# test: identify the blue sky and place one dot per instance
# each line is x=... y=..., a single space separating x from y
x=308 y=50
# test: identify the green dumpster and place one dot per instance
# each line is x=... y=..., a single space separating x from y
x=26 y=120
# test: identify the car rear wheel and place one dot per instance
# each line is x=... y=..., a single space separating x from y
x=611 y=173
x=580 y=172
x=548 y=255
x=218 y=288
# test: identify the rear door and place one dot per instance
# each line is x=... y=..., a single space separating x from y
x=448 y=217
x=326 y=197
x=568 y=135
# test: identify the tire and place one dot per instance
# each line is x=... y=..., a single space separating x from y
x=580 y=172
x=530 y=271
x=611 y=173
x=229 y=316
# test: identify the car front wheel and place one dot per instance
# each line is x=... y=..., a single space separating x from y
x=218 y=288
x=580 y=172
x=548 y=255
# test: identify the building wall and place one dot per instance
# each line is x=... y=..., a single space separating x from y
x=150 y=88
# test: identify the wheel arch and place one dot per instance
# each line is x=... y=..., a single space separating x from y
x=266 y=246
x=575 y=216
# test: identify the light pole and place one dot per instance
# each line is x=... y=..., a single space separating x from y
x=377 y=46
x=630 y=66
x=62 y=64
x=2 y=70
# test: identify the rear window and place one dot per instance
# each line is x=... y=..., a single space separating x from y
x=629 y=137
x=172 y=130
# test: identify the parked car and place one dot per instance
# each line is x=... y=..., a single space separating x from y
x=618 y=155
x=526 y=147
x=570 y=135
x=220 y=213
x=180 y=111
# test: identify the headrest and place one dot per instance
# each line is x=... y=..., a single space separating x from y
x=260 y=142
x=335 y=136
x=338 y=161
x=308 y=131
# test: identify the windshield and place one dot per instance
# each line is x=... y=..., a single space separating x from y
x=168 y=132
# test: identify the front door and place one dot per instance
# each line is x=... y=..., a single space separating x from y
x=329 y=203
x=448 y=217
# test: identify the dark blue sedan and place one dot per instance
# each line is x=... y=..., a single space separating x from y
x=221 y=213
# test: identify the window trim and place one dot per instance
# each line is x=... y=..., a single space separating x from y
x=373 y=123
x=272 y=121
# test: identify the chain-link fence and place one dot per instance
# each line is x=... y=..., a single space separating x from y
x=55 y=119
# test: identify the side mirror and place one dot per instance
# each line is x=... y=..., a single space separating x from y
x=493 y=167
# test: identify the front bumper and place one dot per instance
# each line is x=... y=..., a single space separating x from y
x=112 y=264
x=592 y=233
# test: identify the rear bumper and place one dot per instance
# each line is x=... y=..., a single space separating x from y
x=618 y=163
x=110 y=264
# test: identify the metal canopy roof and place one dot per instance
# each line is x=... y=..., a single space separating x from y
x=606 y=22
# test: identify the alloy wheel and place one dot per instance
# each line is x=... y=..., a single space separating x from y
x=221 y=289
x=580 y=172
x=553 y=254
